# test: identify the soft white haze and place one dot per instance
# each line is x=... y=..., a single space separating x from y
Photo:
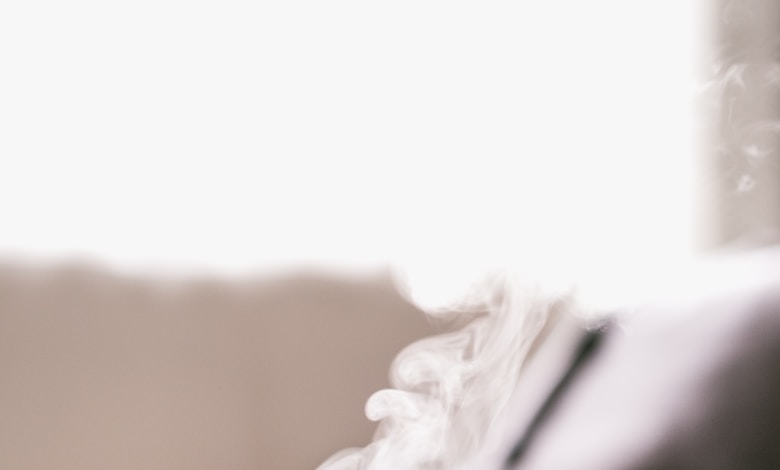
x=450 y=138
x=239 y=135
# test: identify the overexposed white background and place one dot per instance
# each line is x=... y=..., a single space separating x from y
x=236 y=135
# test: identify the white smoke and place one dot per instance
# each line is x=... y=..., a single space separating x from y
x=597 y=199
x=448 y=389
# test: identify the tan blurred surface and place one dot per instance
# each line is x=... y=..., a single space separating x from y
x=108 y=372
x=741 y=201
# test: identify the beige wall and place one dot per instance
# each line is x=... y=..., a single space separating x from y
x=742 y=152
x=101 y=371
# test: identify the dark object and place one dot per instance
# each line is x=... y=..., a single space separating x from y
x=588 y=346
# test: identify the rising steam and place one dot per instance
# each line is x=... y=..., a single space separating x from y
x=588 y=213
x=449 y=388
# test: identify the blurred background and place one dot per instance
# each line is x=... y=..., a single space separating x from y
x=107 y=371
x=205 y=207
